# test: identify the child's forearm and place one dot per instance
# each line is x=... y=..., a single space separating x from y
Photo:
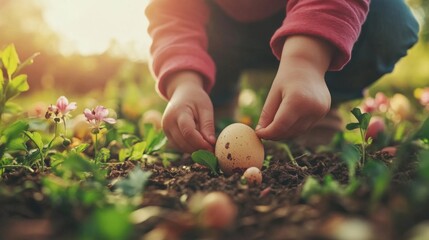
x=307 y=51
x=183 y=80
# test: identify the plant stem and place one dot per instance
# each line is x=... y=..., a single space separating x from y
x=55 y=136
x=65 y=126
x=50 y=144
x=18 y=166
x=95 y=147
x=362 y=134
x=289 y=153
x=42 y=156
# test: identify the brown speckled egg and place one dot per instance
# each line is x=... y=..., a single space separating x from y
x=238 y=148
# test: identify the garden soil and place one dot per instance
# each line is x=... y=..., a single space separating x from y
x=273 y=210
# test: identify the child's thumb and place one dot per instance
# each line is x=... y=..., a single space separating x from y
x=268 y=113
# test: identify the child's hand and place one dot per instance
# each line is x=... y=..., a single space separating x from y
x=188 y=120
x=299 y=96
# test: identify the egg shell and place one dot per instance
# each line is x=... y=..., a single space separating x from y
x=218 y=211
x=253 y=176
x=238 y=148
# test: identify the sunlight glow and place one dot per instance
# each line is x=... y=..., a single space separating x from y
x=92 y=26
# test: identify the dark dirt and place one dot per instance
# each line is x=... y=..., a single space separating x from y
x=273 y=210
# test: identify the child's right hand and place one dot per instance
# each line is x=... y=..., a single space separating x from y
x=188 y=120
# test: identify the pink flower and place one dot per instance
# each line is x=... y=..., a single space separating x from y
x=61 y=109
x=368 y=105
x=97 y=116
x=64 y=106
x=380 y=103
x=424 y=98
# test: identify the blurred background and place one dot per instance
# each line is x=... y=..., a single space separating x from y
x=93 y=50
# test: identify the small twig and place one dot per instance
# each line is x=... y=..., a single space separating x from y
x=302 y=155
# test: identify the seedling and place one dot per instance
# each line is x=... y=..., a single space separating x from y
x=207 y=159
x=328 y=186
x=285 y=147
x=14 y=83
x=154 y=140
x=135 y=182
x=97 y=118
x=361 y=124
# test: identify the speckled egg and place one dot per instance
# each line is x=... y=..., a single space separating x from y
x=238 y=148
x=253 y=176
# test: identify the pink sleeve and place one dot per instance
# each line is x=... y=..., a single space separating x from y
x=179 y=39
x=337 y=21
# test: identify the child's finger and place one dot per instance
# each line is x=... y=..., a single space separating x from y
x=269 y=110
x=206 y=125
x=186 y=125
x=280 y=126
x=179 y=141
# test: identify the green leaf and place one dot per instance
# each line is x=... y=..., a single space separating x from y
x=364 y=121
x=78 y=165
x=56 y=159
x=267 y=161
x=379 y=177
x=103 y=155
x=357 y=113
x=155 y=139
x=12 y=108
x=351 y=156
x=18 y=85
x=352 y=126
x=20 y=82
x=423 y=169
x=129 y=140
x=138 y=150
x=13 y=131
x=330 y=185
x=108 y=224
x=16 y=144
x=352 y=186
x=135 y=182
x=423 y=132
x=81 y=147
x=1 y=82
x=124 y=153
x=36 y=138
x=10 y=59
x=206 y=158
x=311 y=187
x=156 y=145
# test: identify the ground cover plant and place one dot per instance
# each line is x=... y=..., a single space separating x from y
x=100 y=175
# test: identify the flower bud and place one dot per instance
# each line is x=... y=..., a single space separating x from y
x=375 y=127
x=66 y=142
x=400 y=107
